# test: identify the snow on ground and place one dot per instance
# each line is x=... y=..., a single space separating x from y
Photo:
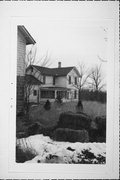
x=49 y=151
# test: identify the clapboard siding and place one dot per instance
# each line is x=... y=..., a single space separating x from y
x=21 y=51
x=23 y=39
x=20 y=93
x=21 y=47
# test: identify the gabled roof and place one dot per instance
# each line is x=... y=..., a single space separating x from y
x=31 y=80
x=63 y=71
x=28 y=37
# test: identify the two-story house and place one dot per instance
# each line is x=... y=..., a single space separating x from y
x=60 y=81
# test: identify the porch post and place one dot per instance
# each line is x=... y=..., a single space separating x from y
x=55 y=94
x=39 y=95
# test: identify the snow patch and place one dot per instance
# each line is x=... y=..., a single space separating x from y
x=49 y=151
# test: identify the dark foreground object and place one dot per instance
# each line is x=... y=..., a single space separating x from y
x=70 y=135
x=98 y=133
x=76 y=121
x=71 y=127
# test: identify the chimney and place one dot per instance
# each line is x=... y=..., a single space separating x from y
x=59 y=64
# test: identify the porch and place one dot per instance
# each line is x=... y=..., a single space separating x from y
x=53 y=92
x=42 y=94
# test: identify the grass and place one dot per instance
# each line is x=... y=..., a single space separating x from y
x=50 y=118
x=94 y=108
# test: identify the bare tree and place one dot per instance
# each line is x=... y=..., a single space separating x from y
x=44 y=61
x=31 y=59
x=96 y=78
x=30 y=56
x=82 y=83
x=84 y=75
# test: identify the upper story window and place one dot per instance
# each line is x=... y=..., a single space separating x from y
x=35 y=93
x=53 y=80
x=75 y=94
x=44 y=79
x=31 y=69
x=69 y=79
x=75 y=80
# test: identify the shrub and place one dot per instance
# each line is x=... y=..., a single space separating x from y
x=88 y=95
x=35 y=128
x=77 y=121
x=100 y=122
x=70 y=135
x=47 y=105
x=59 y=99
x=79 y=107
x=98 y=134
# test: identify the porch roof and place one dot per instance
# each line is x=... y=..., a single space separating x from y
x=31 y=80
x=55 y=88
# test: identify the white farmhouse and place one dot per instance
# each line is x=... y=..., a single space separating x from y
x=60 y=81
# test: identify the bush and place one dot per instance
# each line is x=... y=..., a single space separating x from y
x=88 y=95
x=47 y=105
x=35 y=128
x=98 y=134
x=59 y=99
x=70 y=135
x=100 y=122
x=79 y=107
x=77 y=121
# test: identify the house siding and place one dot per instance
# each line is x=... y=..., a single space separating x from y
x=61 y=81
x=48 y=81
x=73 y=74
x=20 y=93
x=72 y=86
x=21 y=51
x=32 y=97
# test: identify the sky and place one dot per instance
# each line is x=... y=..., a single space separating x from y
x=69 y=41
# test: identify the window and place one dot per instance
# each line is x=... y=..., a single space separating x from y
x=35 y=93
x=47 y=94
x=69 y=79
x=31 y=69
x=53 y=80
x=75 y=94
x=75 y=80
x=44 y=79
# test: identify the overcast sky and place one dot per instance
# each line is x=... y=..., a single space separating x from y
x=69 y=41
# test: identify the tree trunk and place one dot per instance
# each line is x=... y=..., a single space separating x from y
x=79 y=95
x=79 y=104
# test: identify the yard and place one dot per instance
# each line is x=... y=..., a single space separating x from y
x=50 y=118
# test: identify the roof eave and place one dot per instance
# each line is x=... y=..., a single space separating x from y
x=76 y=71
x=28 y=37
